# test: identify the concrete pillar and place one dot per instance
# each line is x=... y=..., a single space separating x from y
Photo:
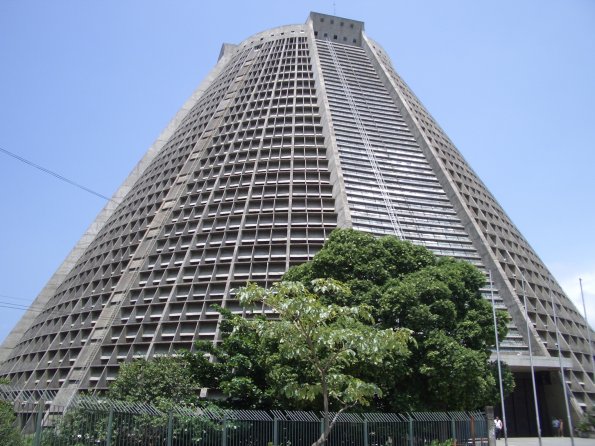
x=490 y=426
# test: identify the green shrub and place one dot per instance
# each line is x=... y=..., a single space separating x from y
x=8 y=432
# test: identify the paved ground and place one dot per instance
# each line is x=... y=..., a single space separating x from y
x=547 y=441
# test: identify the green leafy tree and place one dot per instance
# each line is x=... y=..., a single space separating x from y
x=507 y=382
x=586 y=424
x=326 y=342
x=8 y=432
x=437 y=298
x=163 y=381
x=243 y=369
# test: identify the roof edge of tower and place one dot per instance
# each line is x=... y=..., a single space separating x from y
x=226 y=49
x=229 y=49
x=334 y=28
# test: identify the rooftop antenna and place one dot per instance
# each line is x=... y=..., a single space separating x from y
x=334 y=8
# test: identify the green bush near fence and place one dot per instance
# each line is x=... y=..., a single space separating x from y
x=9 y=434
x=96 y=423
x=449 y=442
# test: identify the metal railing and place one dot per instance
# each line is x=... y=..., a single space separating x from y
x=92 y=421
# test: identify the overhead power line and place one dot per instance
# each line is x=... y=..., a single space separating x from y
x=39 y=309
x=6 y=296
x=56 y=175
x=15 y=306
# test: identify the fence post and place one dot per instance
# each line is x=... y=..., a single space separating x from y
x=110 y=424
x=170 y=428
x=472 y=426
x=453 y=430
x=366 y=440
x=410 y=431
x=276 y=431
x=224 y=434
x=38 y=422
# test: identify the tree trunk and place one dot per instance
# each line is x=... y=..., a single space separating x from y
x=327 y=425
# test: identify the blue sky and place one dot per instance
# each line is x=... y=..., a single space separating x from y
x=86 y=87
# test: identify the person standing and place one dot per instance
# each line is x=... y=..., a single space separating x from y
x=556 y=426
x=498 y=428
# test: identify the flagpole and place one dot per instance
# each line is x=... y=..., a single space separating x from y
x=531 y=357
x=580 y=281
x=499 y=366
x=562 y=376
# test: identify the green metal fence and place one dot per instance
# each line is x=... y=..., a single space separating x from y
x=91 y=421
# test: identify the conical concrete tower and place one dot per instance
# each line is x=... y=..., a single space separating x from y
x=297 y=130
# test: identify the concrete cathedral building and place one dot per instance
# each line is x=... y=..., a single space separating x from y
x=296 y=131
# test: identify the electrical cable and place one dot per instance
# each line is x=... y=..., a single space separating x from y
x=36 y=309
x=6 y=296
x=56 y=175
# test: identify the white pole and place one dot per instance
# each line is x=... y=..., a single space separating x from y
x=498 y=359
x=580 y=281
x=562 y=376
x=531 y=358
x=529 y=344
